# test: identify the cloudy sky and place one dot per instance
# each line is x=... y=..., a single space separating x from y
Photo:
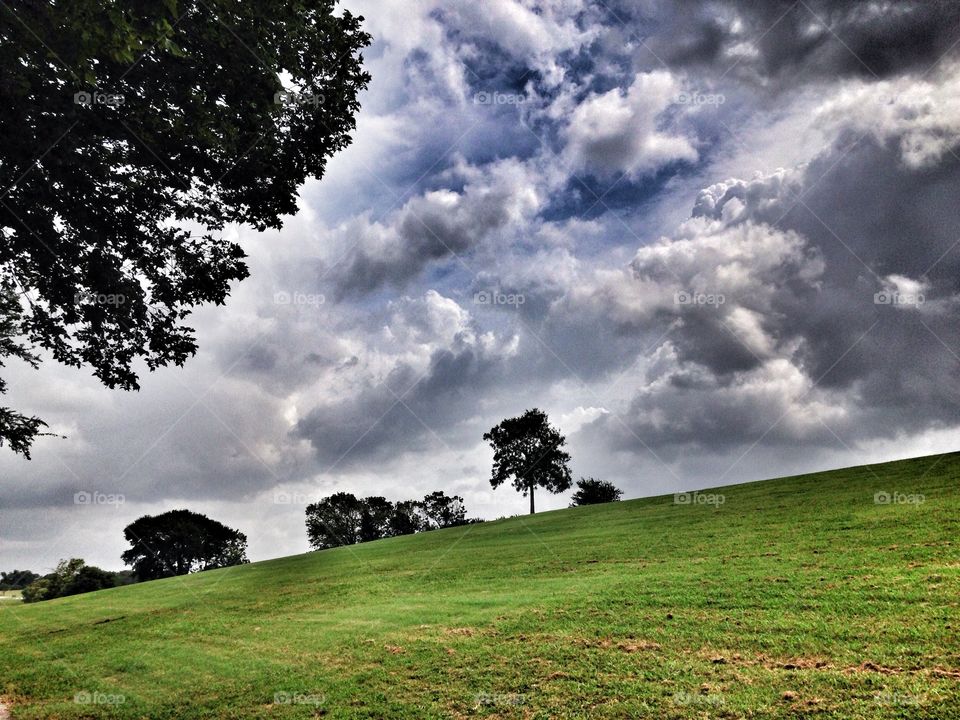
x=716 y=242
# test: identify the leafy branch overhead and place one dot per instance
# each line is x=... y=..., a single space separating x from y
x=134 y=132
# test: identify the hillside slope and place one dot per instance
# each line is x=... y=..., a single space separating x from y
x=794 y=596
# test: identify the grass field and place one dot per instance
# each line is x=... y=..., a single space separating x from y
x=798 y=597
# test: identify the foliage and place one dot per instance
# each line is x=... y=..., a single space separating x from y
x=71 y=577
x=591 y=491
x=134 y=132
x=343 y=519
x=178 y=542
x=17 y=579
x=442 y=511
x=528 y=451
x=334 y=521
x=375 y=514
x=37 y=590
x=16 y=430
x=406 y=518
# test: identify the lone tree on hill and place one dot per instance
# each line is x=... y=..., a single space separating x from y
x=178 y=542
x=529 y=451
x=134 y=132
x=591 y=491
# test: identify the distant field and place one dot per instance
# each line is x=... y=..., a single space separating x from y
x=9 y=594
x=798 y=597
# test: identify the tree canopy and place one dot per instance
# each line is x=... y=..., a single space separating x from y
x=134 y=131
x=178 y=542
x=344 y=519
x=71 y=577
x=591 y=491
x=17 y=579
x=528 y=451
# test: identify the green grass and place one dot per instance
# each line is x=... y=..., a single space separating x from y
x=798 y=597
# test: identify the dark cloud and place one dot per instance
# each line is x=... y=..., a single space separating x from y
x=440 y=225
x=785 y=42
x=406 y=413
x=841 y=288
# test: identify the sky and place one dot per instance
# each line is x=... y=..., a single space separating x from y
x=715 y=242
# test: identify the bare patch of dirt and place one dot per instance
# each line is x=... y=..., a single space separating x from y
x=628 y=646
x=873 y=667
x=465 y=631
x=799 y=663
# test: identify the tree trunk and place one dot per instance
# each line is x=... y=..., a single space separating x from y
x=531 y=498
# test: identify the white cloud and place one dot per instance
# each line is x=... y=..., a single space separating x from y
x=618 y=131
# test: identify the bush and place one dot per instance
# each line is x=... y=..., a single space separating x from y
x=591 y=491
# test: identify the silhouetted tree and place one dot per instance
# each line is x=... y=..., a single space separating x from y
x=407 y=518
x=443 y=511
x=528 y=451
x=591 y=491
x=375 y=514
x=334 y=521
x=17 y=579
x=134 y=132
x=87 y=579
x=342 y=519
x=178 y=542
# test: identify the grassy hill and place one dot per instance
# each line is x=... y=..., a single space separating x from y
x=794 y=597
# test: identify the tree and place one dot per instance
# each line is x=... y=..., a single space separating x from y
x=37 y=590
x=528 y=451
x=17 y=579
x=178 y=542
x=375 y=514
x=334 y=521
x=134 y=132
x=591 y=491
x=443 y=511
x=87 y=579
x=407 y=518
x=71 y=577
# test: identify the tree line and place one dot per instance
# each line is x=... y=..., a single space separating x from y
x=528 y=453
x=344 y=519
